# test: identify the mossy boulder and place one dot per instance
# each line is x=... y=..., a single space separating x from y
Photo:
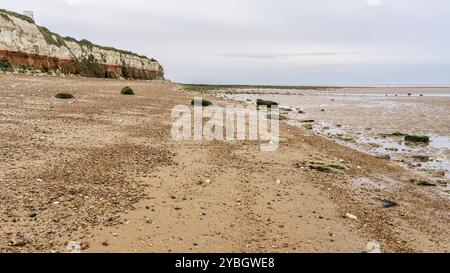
x=267 y=103
x=64 y=96
x=417 y=139
x=392 y=149
x=421 y=158
x=323 y=167
x=424 y=183
x=205 y=103
x=127 y=91
x=5 y=65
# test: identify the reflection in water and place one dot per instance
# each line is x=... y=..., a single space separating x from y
x=368 y=122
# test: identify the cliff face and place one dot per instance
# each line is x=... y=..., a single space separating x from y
x=26 y=46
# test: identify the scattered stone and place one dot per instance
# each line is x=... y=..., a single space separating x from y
x=387 y=203
x=32 y=215
x=105 y=244
x=74 y=247
x=439 y=159
x=374 y=247
x=19 y=241
x=350 y=216
x=64 y=96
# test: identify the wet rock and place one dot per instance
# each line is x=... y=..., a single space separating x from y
x=417 y=139
x=422 y=182
x=396 y=134
x=322 y=167
x=374 y=145
x=392 y=149
x=345 y=137
x=421 y=158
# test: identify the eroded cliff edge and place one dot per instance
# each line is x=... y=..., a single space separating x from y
x=25 y=46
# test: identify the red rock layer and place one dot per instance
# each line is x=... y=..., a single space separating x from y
x=70 y=66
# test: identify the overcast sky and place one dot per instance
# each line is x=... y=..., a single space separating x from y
x=318 y=42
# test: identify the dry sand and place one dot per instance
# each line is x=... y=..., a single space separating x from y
x=103 y=170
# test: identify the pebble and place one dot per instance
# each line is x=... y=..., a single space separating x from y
x=374 y=247
x=350 y=216
x=74 y=247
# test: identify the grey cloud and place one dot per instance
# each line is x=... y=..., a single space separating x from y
x=267 y=41
x=287 y=55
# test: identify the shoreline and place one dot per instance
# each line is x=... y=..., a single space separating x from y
x=144 y=192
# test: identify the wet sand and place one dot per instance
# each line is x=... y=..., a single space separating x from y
x=102 y=170
x=366 y=118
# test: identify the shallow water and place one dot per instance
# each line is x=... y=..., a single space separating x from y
x=364 y=120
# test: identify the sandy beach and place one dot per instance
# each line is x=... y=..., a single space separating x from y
x=103 y=170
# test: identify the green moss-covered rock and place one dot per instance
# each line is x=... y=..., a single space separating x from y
x=392 y=149
x=424 y=183
x=127 y=91
x=419 y=139
x=267 y=103
x=5 y=65
x=64 y=96
x=205 y=103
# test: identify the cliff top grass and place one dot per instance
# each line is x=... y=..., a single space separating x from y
x=18 y=15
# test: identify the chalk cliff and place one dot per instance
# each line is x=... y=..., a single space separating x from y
x=25 y=46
